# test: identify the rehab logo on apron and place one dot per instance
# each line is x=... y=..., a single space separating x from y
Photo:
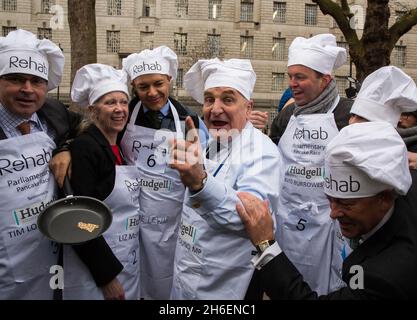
x=26 y=187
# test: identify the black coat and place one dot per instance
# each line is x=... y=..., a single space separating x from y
x=388 y=259
x=93 y=174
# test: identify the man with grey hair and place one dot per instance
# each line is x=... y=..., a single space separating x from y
x=212 y=257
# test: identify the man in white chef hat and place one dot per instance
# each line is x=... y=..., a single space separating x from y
x=365 y=171
x=304 y=128
x=385 y=95
x=212 y=257
x=31 y=127
x=162 y=192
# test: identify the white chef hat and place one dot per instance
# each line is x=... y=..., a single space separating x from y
x=234 y=73
x=160 y=60
x=365 y=159
x=319 y=53
x=92 y=81
x=385 y=94
x=22 y=52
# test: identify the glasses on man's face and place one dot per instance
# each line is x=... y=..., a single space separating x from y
x=21 y=80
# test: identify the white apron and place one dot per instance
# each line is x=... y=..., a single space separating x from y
x=305 y=231
x=26 y=187
x=161 y=200
x=122 y=237
x=201 y=250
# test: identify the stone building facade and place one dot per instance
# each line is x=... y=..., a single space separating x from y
x=260 y=30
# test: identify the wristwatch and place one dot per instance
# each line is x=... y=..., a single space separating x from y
x=263 y=245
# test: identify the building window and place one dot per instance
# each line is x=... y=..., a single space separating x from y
x=341 y=84
x=9 y=5
x=45 y=33
x=148 y=9
x=345 y=45
x=146 y=40
x=179 y=82
x=246 y=46
x=213 y=42
x=280 y=10
x=6 y=30
x=114 y=7
x=277 y=81
x=278 y=48
x=113 y=41
x=180 y=43
x=246 y=10
x=215 y=9
x=182 y=8
x=46 y=6
x=310 y=14
x=400 y=56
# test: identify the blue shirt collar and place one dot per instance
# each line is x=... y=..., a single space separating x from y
x=164 y=110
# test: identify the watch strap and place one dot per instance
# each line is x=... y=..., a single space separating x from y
x=263 y=245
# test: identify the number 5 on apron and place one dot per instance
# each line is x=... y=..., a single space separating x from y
x=305 y=230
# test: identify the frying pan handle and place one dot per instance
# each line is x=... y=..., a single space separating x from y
x=67 y=187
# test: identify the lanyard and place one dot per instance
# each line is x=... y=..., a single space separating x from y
x=221 y=164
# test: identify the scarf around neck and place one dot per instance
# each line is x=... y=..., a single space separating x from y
x=409 y=135
x=322 y=103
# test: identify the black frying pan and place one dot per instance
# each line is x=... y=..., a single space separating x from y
x=74 y=219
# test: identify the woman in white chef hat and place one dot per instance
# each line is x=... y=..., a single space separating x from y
x=107 y=267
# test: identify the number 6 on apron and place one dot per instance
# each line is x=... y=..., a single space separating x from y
x=161 y=200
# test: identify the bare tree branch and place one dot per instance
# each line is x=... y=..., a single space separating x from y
x=403 y=25
x=342 y=19
x=345 y=8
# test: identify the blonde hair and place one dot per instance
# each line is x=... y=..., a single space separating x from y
x=87 y=120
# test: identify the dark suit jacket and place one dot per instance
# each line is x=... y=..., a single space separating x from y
x=167 y=122
x=388 y=259
x=279 y=124
x=93 y=175
x=58 y=117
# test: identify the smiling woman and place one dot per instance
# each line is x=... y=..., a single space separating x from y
x=110 y=113
x=106 y=267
